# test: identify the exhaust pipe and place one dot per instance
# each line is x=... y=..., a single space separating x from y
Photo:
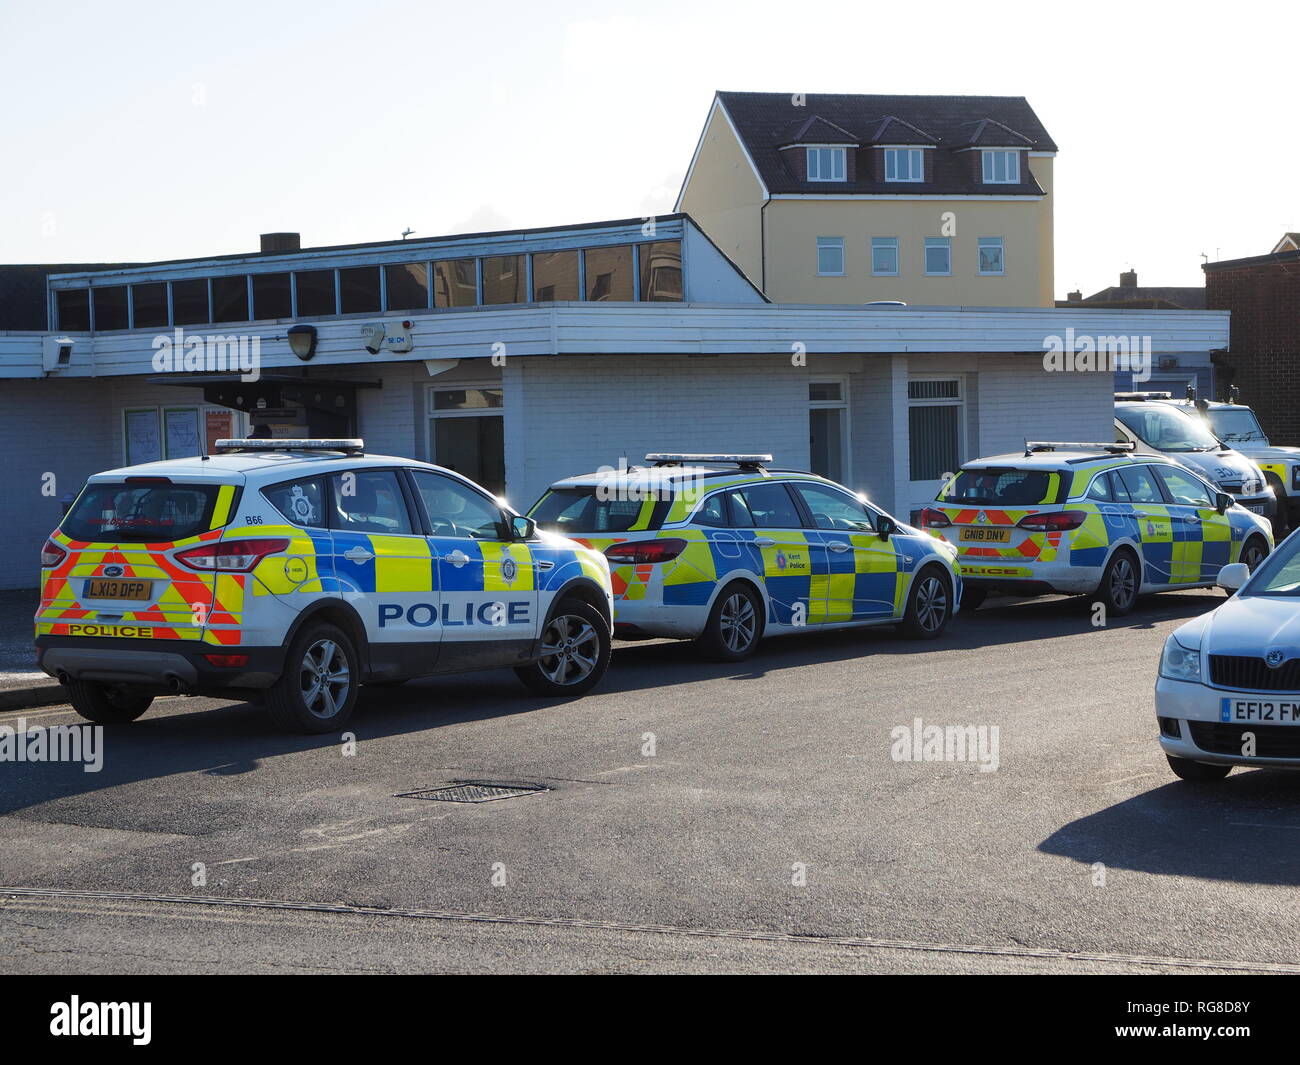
x=174 y=684
x=62 y=677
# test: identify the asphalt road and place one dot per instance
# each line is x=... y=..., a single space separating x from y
x=683 y=860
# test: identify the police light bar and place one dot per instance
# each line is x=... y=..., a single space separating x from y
x=1073 y=445
x=352 y=445
x=1140 y=396
x=668 y=458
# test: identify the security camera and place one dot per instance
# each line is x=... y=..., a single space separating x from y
x=56 y=353
x=372 y=337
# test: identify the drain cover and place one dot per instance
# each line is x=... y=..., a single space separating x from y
x=474 y=791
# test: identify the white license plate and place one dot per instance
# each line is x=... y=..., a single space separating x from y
x=1257 y=508
x=1260 y=711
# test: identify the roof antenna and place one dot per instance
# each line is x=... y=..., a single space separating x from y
x=407 y=232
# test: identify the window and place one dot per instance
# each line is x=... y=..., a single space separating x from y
x=1186 y=490
x=190 y=302
x=739 y=513
x=826 y=164
x=110 y=308
x=1001 y=167
x=713 y=513
x=934 y=424
x=661 y=270
x=455 y=283
x=74 y=309
x=769 y=507
x=834 y=510
x=828 y=413
x=455 y=509
x=555 y=276
x=830 y=256
x=503 y=279
x=149 y=305
x=301 y=502
x=359 y=290
x=316 y=293
x=121 y=513
x=884 y=256
x=991 y=259
x=370 y=501
x=408 y=286
x=1140 y=484
x=609 y=273
x=1100 y=489
x=938 y=255
x=584 y=511
x=904 y=164
x=985 y=485
x=230 y=299
x=271 y=296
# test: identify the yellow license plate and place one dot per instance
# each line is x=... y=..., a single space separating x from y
x=118 y=589
x=987 y=536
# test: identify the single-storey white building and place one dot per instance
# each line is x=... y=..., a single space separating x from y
x=522 y=357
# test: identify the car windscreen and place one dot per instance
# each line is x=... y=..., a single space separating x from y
x=1279 y=573
x=1237 y=427
x=133 y=512
x=1166 y=428
x=590 y=510
x=1002 y=487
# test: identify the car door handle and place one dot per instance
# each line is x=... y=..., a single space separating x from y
x=763 y=541
x=458 y=558
x=545 y=563
x=838 y=545
x=357 y=554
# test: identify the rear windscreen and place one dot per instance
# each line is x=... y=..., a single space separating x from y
x=1002 y=488
x=156 y=513
x=583 y=511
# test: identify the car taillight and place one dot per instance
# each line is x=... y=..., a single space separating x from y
x=237 y=556
x=641 y=552
x=52 y=554
x=934 y=519
x=1056 y=521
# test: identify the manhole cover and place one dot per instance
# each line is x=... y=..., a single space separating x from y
x=474 y=791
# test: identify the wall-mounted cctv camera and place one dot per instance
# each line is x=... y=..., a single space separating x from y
x=372 y=337
x=56 y=353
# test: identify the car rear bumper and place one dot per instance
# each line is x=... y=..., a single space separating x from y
x=1193 y=711
x=1028 y=577
x=163 y=665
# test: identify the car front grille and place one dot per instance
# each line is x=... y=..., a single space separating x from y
x=1233 y=488
x=1271 y=741
x=1252 y=674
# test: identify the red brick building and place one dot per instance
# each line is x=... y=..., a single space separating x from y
x=1263 y=357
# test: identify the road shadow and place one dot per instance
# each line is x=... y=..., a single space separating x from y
x=1244 y=829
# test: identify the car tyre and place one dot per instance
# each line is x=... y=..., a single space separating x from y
x=576 y=649
x=1186 y=769
x=929 y=605
x=1254 y=552
x=735 y=624
x=107 y=704
x=1120 y=583
x=317 y=691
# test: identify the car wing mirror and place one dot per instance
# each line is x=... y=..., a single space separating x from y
x=522 y=528
x=886 y=527
x=1222 y=501
x=1233 y=576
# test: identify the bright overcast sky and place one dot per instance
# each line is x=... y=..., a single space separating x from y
x=139 y=131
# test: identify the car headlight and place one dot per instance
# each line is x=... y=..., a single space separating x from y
x=1180 y=663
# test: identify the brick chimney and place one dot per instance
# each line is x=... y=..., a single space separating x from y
x=1074 y=297
x=281 y=242
x=1128 y=279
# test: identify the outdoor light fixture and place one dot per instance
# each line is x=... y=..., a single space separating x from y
x=302 y=341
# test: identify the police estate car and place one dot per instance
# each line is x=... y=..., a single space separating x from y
x=1095 y=519
x=1228 y=691
x=295 y=571
x=721 y=549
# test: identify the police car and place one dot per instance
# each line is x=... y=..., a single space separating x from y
x=1228 y=691
x=722 y=549
x=1096 y=519
x=1237 y=425
x=1157 y=428
x=296 y=570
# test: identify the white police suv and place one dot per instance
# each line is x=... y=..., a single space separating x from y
x=294 y=571
x=723 y=549
x=1228 y=691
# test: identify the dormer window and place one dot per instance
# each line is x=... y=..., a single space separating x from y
x=1001 y=167
x=904 y=164
x=826 y=164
